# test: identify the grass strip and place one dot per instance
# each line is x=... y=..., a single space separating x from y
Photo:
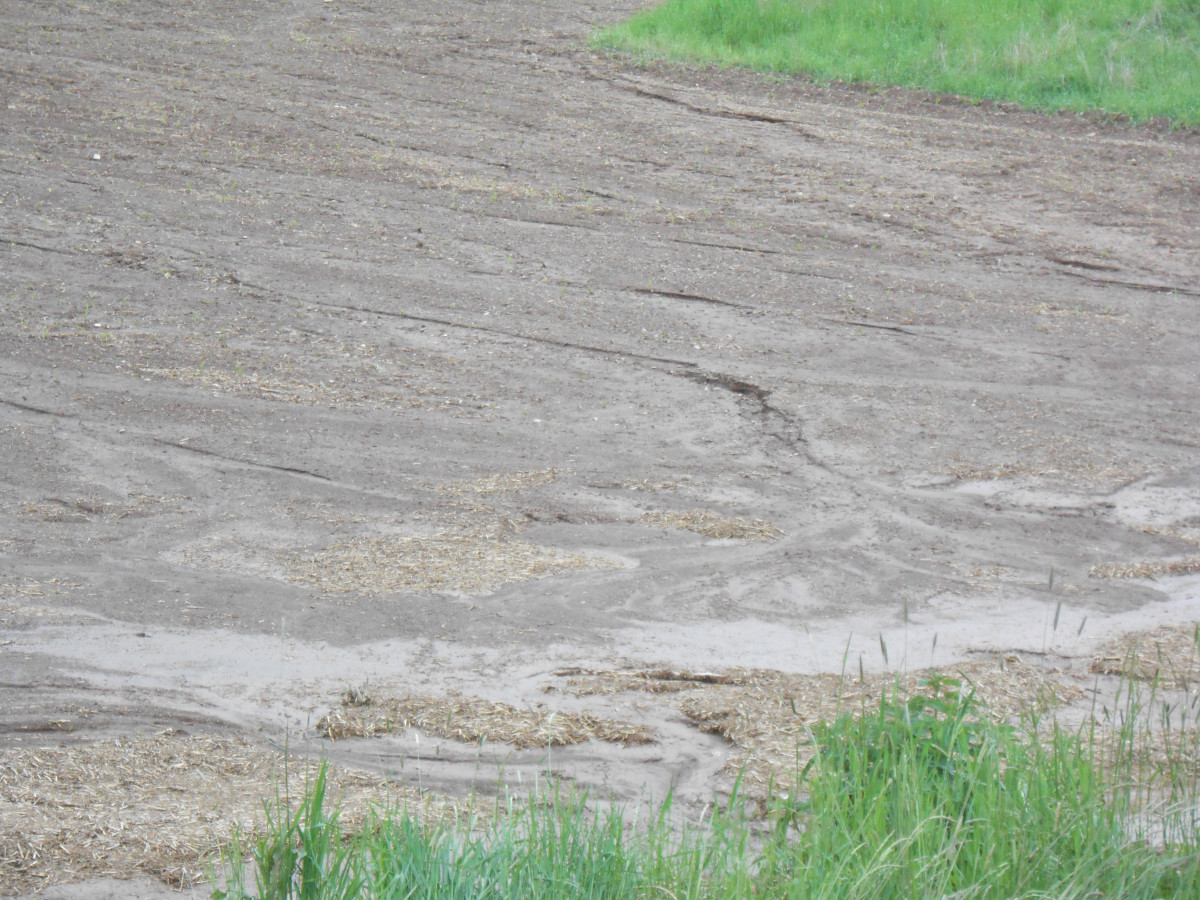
x=1134 y=58
x=920 y=797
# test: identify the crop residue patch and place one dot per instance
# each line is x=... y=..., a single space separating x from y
x=714 y=526
x=160 y=806
x=1169 y=655
x=472 y=719
x=767 y=715
x=470 y=561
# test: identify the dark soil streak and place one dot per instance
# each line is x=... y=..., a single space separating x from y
x=895 y=328
x=37 y=409
x=675 y=295
x=804 y=274
x=1133 y=285
x=531 y=221
x=13 y=241
x=449 y=323
x=1080 y=264
x=791 y=435
x=652 y=163
x=444 y=154
x=705 y=111
x=738 y=247
x=290 y=470
x=726 y=382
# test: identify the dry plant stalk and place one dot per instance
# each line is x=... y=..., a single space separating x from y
x=715 y=526
x=472 y=720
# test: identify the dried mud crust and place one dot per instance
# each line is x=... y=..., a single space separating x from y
x=423 y=347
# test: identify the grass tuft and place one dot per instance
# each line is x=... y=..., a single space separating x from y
x=1134 y=58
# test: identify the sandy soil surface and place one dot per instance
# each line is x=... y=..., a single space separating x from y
x=418 y=349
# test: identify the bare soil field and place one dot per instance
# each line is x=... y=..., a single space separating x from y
x=410 y=385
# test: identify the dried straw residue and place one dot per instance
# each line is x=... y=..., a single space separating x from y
x=449 y=561
x=1153 y=755
x=1068 y=464
x=767 y=714
x=714 y=526
x=285 y=390
x=290 y=390
x=14 y=616
x=651 y=681
x=496 y=187
x=1169 y=655
x=993 y=472
x=1191 y=535
x=31 y=588
x=501 y=484
x=158 y=806
x=634 y=484
x=472 y=720
x=1148 y=570
x=85 y=510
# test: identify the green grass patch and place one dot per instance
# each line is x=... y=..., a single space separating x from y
x=1137 y=58
x=918 y=797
